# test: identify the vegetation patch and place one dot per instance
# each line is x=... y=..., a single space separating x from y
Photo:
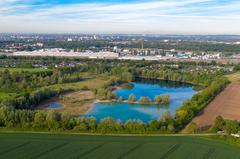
x=75 y=103
x=235 y=77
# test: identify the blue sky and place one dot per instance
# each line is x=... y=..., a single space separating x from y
x=121 y=16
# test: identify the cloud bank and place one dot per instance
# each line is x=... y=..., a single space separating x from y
x=112 y=16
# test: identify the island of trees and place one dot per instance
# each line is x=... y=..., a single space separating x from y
x=160 y=99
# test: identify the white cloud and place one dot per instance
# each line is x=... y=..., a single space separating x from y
x=165 y=16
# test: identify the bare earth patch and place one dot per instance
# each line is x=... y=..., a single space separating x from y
x=226 y=104
x=75 y=103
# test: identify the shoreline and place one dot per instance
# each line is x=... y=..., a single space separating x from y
x=126 y=101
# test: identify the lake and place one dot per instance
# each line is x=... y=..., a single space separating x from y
x=55 y=105
x=179 y=92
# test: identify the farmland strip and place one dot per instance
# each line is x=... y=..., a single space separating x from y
x=129 y=151
x=209 y=153
x=91 y=150
x=49 y=150
x=170 y=151
x=14 y=148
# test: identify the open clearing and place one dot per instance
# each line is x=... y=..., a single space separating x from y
x=78 y=101
x=235 y=77
x=46 y=146
x=75 y=103
x=226 y=104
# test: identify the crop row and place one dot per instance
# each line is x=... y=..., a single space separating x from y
x=108 y=150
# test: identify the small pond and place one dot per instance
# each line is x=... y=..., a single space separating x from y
x=179 y=92
x=55 y=105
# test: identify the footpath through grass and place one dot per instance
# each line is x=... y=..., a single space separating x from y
x=24 y=145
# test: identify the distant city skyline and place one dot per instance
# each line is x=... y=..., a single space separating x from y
x=121 y=16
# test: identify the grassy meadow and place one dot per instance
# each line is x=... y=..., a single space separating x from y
x=235 y=77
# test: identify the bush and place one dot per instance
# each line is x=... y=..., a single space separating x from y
x=192 y=128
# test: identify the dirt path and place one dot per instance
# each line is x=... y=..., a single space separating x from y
x=226 y=104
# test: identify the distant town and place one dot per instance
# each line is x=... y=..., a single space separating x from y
x=124 y=47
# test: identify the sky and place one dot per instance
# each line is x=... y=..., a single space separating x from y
x=121 y=16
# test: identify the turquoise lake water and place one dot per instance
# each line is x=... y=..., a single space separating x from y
x=55 y=105
x=178 y=92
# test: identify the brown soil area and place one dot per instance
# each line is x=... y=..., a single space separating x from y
x=226 y=104
x=75 y=103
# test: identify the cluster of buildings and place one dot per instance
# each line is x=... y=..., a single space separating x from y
x=156 y=54
x=10 y=48
x=58 y=52
x=132 y=54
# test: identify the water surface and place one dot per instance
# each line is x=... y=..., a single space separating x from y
x=178 y=92
x=55 y=105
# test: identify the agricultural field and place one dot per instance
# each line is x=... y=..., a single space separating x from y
x=50 y=146
x=226 y=104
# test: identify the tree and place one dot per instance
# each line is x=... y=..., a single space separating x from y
x=165 y=99
x=52 y=120
x=92 y=122
x=232 y=127
x=66 y=122
x=120 y=99
x=144 y=100
x=165 y=117
x=106 y=125
x=3 y=115
x=192 y=128
x=153 y=125
x=158 y=99
x=40 y=120
x=131 y=98
x=219 y=124
x=81 y=127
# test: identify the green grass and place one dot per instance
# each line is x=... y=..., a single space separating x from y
x=62 y=146
x=91 y=81
x=4 y=95
x=234 y=77
x=31 y=70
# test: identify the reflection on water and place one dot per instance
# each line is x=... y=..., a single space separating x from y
x=178 y=92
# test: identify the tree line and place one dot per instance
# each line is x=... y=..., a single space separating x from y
x=160 y=99
x=54 y=121
x=225 y=126
x=28 y=81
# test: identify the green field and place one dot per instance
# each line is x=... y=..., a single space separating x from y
x=234 y=77
x=53 y=146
